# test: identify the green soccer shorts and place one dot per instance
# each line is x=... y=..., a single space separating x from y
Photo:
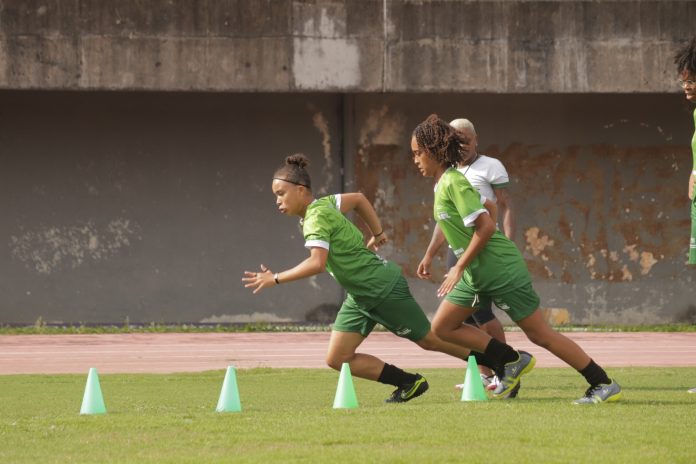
x=518 y=303
x=398 y=312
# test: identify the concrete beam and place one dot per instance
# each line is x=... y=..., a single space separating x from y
x=327 y=45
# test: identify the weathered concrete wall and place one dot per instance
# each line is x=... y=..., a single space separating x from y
x=599 y=183
x=149 y=206
x=359 y=45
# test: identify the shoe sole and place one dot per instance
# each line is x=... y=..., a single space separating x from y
x=612 y=399
x=422 y=388
x=524 y=371
x=513 y=393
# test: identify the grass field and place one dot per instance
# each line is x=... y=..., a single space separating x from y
x=287 y=417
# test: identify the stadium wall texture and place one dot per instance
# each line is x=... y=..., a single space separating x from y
x=137 y=143
x=148 y=206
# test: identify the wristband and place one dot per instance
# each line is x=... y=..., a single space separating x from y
x=275 y=277
x=377 y=235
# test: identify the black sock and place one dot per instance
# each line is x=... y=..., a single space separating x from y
x=483 y=360
x=392 y=375
x=594 y=374
x=500 y=354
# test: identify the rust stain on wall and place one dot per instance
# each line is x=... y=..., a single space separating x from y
x=590 y=216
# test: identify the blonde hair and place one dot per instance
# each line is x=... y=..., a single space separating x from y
x=462 y=124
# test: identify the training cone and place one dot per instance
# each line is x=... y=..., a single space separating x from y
x=93 y=401
x=229 y=396
x=473 y=386
x=345 y=392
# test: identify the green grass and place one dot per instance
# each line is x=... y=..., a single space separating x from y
x=287 y=417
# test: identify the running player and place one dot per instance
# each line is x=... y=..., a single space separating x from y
x=489 y=177
x=685 y=59
x=377 y=291
x=489 y=265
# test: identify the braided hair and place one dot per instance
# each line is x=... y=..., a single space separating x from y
x=441 y=141
x=685 y=59
x=294 y=170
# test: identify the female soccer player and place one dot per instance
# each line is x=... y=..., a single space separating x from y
x=377 y=292
x=685 y=59
x=490 y=178
x=489 y=264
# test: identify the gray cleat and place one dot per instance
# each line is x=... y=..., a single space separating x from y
x=601 y=393
x=513 y=371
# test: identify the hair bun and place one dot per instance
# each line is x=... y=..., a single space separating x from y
x=297 y=159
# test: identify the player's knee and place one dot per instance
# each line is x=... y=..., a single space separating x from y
x=429 y=343
x=335 y=361
x=441 y=331
x=539 y=340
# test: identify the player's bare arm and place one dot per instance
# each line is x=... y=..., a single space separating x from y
x=313 y=265
x=505 y=206
x=438 y=238
x=358 y=202
x=485 y=228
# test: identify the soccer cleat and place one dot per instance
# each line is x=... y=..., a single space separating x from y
x=492 y=383
x=601 y=393
x=513 y=393
x=409 y=391
x=693 y=390
x=513 y=371
x=489 y=382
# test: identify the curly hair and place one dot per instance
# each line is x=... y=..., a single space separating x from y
x=685 y=58
x=294 y=170
x=441 y=141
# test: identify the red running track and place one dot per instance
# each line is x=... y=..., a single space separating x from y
x=164 y=353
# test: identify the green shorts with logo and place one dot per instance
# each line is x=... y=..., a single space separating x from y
x=518 y=303
x=398 y=312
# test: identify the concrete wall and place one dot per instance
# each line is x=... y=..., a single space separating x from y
x=359 y=45
x=599 y=183
x=149 y=206
x=137 y=141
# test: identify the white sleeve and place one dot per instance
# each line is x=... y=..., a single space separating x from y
x=317 y=244
x=471 y=219
x=497 y=175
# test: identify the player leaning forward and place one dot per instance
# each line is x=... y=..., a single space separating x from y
x=376 y=290
x=489 y=264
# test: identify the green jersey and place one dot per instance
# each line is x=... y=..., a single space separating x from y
x=363 y=274
x=499 y=265
x=693 y=147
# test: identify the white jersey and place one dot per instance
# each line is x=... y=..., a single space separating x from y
x=486 y=174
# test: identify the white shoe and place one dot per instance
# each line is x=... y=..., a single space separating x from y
x=693 y=390
x=489 y=382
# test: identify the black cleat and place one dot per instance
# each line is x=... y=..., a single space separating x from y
x=409 y=391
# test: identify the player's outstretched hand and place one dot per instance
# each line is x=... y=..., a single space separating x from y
x=423 y=271
x=451 y=280
x=259 y=280
x=376 y=242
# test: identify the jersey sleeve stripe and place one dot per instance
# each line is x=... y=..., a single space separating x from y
x=338 y=201
x=470 y=219
x=316 y=244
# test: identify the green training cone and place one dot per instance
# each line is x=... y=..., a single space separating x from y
x=473 y=386
x=345 y=392
x=229 y=396
x=93 y=401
